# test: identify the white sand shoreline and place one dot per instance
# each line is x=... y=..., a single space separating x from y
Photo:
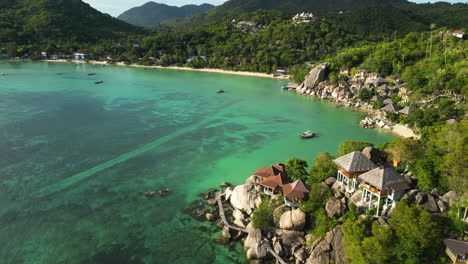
x=242 y=73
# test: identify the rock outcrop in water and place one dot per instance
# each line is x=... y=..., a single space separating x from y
x=315 y=76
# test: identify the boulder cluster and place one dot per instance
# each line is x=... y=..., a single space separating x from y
x=287 y=237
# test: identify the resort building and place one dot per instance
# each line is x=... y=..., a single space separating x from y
x=344 y=71
x=304 y=18
x=295 y=193
x=383 y=183
x=350 y=166
x=266 y=172
x=405 y=111
x=457 y=250
x=84 y=55
x=457 y=33
x=274 y=180
x=361 y=73
x=274 y=184
x=391 y=108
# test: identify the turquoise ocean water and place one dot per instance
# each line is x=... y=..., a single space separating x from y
x=74 y=155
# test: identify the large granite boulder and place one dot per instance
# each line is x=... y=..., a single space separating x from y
x=293 y=220
x=315 y=76
x=374 y=154
x=335 y=208
x=291 y=240
x=356 y=198
x=410 y=195
x=330 y=181
x=245 y=197
x=450 y=197
x=239 y=218
x=431 y=204
x=252 y=244
x=327 y=250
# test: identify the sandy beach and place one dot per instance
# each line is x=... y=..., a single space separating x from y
x=243 y=73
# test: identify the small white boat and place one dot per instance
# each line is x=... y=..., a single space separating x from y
x=307 y=134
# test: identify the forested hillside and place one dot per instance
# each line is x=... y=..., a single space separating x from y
x=41 y=21
x=290 y=7
x=153 y=13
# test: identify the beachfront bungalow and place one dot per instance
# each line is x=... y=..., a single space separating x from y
x=283 y=71
x=350 y=166
x=195 y=57
x=274 y=184
x=391 y=108
x=361 y=73
x=83 y=55
x=295 y=193
x=266 y=172
x=43 y=55
x=457 y=250
x=383 y=183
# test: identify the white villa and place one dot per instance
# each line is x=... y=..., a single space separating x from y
x=350 y=166
x=383 y=183
x=304 y=18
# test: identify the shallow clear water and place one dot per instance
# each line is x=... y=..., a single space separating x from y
x=74 y=155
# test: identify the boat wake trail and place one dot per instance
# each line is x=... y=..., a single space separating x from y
x=58 y=186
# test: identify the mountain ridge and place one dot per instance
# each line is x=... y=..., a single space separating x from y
x=237 y=7
x=153 y=13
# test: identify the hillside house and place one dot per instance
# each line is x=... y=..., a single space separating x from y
x=295 y=193
x=405 y=98
x=379 y=81
x=458 y=34
x=393 y=108
x=344 y=71
x=405 y=111
x=374 y=75
x=350 y=166
x=342 y=84
x=383 y=183
x=395 y=79
x=457 y=250
x=266 y=172
x=377 y=98
x=304 y=18
x=274 y=184
x=274 y=180
x=402 y=90
x=361 y=73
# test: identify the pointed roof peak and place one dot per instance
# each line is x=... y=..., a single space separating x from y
x=355 y=162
